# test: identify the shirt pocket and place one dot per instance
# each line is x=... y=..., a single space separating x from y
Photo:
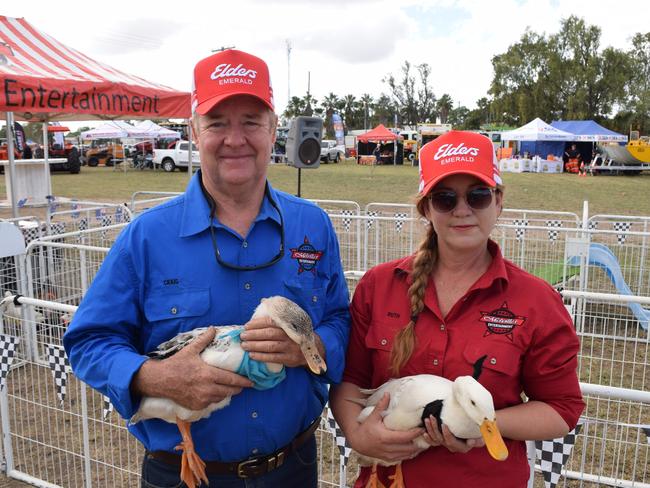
x=310 y=297
x=161 y=305
x=501 y=369
x=379 y=341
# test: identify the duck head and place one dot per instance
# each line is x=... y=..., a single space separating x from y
x=297 y=324
x=477 y=403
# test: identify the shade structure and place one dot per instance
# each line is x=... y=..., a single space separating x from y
x=588 y=131
x=115 y=129
x=379 y=133
x=42 y=79
x=157 y=131
x=537 y=130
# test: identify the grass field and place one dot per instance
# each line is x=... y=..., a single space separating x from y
x=626 y=195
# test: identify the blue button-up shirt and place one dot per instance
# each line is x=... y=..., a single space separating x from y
x=161 y=278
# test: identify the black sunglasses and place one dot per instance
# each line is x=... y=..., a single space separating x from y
x=215 y=246
x=444 y=201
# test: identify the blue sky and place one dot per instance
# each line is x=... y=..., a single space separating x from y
x=343 y=46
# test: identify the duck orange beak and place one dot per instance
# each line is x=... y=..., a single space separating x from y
x=493 y=440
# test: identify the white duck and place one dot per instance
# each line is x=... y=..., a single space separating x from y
x=225 y=352
x=463 y=405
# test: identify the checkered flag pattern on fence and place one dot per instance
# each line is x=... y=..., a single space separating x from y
x=341 y=441
x=83 y=224
x=400 y=217
x=622 y=228
x=107 y=407
x=592 y=225
x=520 y=228
x=553 y=225
x=371 y=220
x=347 y=221
x=58 y=362
x=553 y=455
x=57 y=228
x=8 y=344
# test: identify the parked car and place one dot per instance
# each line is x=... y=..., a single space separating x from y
x=176 y=157
x=330 y=152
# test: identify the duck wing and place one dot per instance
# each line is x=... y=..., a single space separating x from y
x=176 y=343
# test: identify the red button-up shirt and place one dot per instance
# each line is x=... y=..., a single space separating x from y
x=514 y=318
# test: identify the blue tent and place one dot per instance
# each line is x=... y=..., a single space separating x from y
x=588 y=131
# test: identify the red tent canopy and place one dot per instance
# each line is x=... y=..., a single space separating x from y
x=41 y=79
x=379 y=133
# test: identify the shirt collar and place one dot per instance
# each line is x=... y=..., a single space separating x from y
x=196 y=208
x=496 y=270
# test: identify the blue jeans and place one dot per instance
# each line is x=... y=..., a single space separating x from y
x=300 y=470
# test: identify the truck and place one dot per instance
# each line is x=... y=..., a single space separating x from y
x=331 y=152
x=176 y=157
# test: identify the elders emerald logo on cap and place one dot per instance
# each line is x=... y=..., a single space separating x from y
x=458 y=152
x=229 y=73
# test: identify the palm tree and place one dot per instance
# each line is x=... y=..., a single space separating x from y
x=366 y=102
x=330 y=104
x=444 y=106
x=295 y=107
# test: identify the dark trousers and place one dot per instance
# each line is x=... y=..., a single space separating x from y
x=300 y=470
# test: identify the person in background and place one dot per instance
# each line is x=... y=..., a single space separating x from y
x=439 y=310
x=572 y=159
x=27 y=152
x=208 y=257
x=377 y=153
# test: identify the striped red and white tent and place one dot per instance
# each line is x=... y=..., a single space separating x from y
x=42 y=79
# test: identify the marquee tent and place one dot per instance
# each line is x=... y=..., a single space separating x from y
x=157 y=131
x=379 y=133
x=43 y=80
x=116 y=129
x=588 y=131
x=537 y=130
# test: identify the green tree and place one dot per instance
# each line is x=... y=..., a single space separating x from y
x=638 y=89
x=414 y=102
x=366 y=104
x=444 y=106
x=330 y=104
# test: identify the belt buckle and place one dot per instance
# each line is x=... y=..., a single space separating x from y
x=249 y=463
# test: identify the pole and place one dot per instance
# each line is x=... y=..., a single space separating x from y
x=298 y=195
x=12 y=163
x=190 y=153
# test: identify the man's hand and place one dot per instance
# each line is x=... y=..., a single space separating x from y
x=187 y=379
x=270 y=344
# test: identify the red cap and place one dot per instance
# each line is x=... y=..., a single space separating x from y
x=228 y=73
x=458 y=152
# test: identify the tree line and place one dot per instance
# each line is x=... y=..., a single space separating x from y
x=566 y=75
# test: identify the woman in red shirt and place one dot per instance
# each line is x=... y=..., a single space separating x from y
x=436 y=312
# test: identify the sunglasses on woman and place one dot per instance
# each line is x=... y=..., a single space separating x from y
x=444 y=201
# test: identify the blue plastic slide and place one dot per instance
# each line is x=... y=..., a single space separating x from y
x=601 y=256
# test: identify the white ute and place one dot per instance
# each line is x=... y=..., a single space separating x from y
x=177 y=157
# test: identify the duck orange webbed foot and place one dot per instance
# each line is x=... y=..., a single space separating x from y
x=397 y=479
x=373 y=481
x=192 y=466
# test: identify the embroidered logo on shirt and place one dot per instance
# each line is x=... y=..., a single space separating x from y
x=170 y=281
x=393 y=315
x=501 y=321
x=307 y=256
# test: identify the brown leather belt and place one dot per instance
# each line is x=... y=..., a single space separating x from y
x=248 y=468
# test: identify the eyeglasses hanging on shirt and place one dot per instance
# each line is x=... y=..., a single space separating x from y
x=215 y=245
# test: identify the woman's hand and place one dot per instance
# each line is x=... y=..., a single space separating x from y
x=372 y=439
x=446 y=439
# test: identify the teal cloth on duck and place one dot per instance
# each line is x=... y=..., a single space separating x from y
x=257 y=372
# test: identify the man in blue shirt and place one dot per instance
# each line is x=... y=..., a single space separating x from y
x=207 y=258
